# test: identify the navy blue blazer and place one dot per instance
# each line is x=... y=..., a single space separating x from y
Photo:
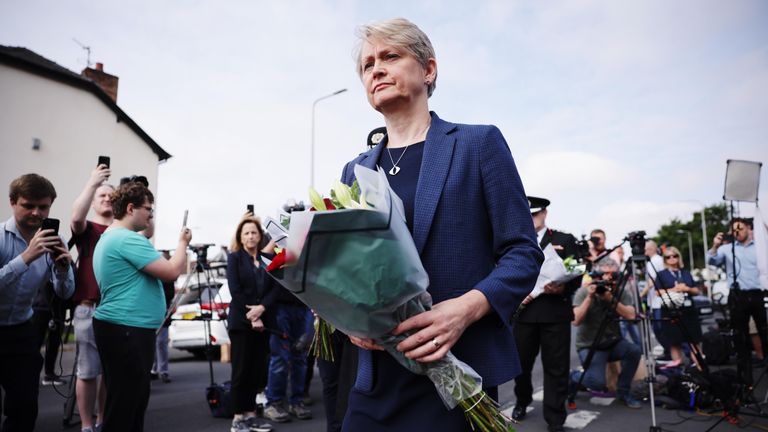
x=473 y=230
x=249 y=286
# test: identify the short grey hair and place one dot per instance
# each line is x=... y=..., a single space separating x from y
x=401 y=33
x=606 y=263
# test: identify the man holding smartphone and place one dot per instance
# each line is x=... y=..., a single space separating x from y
x=746 y=297
x=29 y=258
x=85 y=234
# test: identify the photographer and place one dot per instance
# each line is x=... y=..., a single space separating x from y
x=30 y=257
x=745 y=299
x=593 y=303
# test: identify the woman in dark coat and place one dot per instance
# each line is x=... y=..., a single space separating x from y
x=254 y=291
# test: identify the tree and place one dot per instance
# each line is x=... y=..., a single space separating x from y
x=670 y=233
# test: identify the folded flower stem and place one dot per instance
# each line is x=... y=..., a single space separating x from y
x=483 y=414
x=321 y=346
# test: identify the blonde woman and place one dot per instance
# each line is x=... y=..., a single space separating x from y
x=675 y=287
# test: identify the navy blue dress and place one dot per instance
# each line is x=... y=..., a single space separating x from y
x=687 y=313
x=386 y=396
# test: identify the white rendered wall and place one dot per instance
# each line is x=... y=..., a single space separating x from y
x=74 y=128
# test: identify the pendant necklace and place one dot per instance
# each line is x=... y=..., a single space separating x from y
x=395 y=169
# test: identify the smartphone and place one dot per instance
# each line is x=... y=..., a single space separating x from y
x=50 y=223
x=103 y=160
x=186 y=214
x=250 y=208
x=729 y=238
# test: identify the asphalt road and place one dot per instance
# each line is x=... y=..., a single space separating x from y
x=181 y=406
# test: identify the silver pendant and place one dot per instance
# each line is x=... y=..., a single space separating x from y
x=395 y=169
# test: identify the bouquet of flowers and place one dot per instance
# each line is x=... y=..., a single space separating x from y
x=556 y=270
x=358 y=268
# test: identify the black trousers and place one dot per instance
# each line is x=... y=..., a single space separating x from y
x=555 y=342
x=250 y=364
x=743 y=305
x=20 y=364
x=126 y=355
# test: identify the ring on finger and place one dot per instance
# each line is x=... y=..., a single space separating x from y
x=435 y=342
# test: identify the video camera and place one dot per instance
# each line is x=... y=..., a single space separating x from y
x=637 y=242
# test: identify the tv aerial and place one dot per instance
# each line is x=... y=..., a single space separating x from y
x=87 y=50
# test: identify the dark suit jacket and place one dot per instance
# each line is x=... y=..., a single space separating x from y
x=249 y=286
x=473 y=230
x=550 y=308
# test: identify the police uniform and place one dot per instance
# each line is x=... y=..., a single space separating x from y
x=545 y=323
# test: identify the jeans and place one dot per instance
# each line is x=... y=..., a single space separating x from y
x=292 y=321
x=630 y=328
x=594 y=377
x=160 y=364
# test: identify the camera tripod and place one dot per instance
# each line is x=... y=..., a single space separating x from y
x=204 y=278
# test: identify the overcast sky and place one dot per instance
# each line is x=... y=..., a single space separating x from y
x=617 y=111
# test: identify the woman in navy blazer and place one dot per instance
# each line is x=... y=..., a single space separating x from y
x=461 y=192
x=252 y=290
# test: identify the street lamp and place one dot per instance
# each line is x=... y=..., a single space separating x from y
x=690 y=247
x=312 y=148
x=703 y=227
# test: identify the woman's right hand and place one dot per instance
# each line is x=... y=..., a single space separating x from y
x=367 y=344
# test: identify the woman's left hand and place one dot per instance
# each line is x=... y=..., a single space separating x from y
x=436 y=331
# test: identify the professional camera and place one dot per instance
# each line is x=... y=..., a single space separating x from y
x=601 y=283
x=637 y=242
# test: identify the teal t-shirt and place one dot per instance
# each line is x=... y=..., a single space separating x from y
x=128 y=295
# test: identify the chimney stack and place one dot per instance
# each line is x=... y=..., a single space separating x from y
x=107 y=82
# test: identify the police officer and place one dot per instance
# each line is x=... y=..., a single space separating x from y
x=545 y=322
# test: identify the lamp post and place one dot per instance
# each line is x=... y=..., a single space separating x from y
x=703 y=227
x=312 y=148
x=690 y=247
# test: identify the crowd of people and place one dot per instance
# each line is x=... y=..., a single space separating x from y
x=122 y=285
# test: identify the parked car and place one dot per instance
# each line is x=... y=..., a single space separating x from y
x=201 y=304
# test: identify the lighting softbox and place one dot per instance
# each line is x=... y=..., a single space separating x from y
x=742 y=179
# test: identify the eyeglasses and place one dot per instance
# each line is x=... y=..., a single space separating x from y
x=671 y=256
x=149 y=209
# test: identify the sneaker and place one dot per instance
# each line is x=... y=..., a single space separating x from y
x=239 y=426
x=53 y=380
x=258 y=425
x=630 y=402
x=300 y=411
x=87 y=429
x=276 y=413
x=165 y=378
x=97 y=427
x=153 y=376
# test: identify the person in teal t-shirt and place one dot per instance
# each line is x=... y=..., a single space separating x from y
x=129 y=272
x=128 y=296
